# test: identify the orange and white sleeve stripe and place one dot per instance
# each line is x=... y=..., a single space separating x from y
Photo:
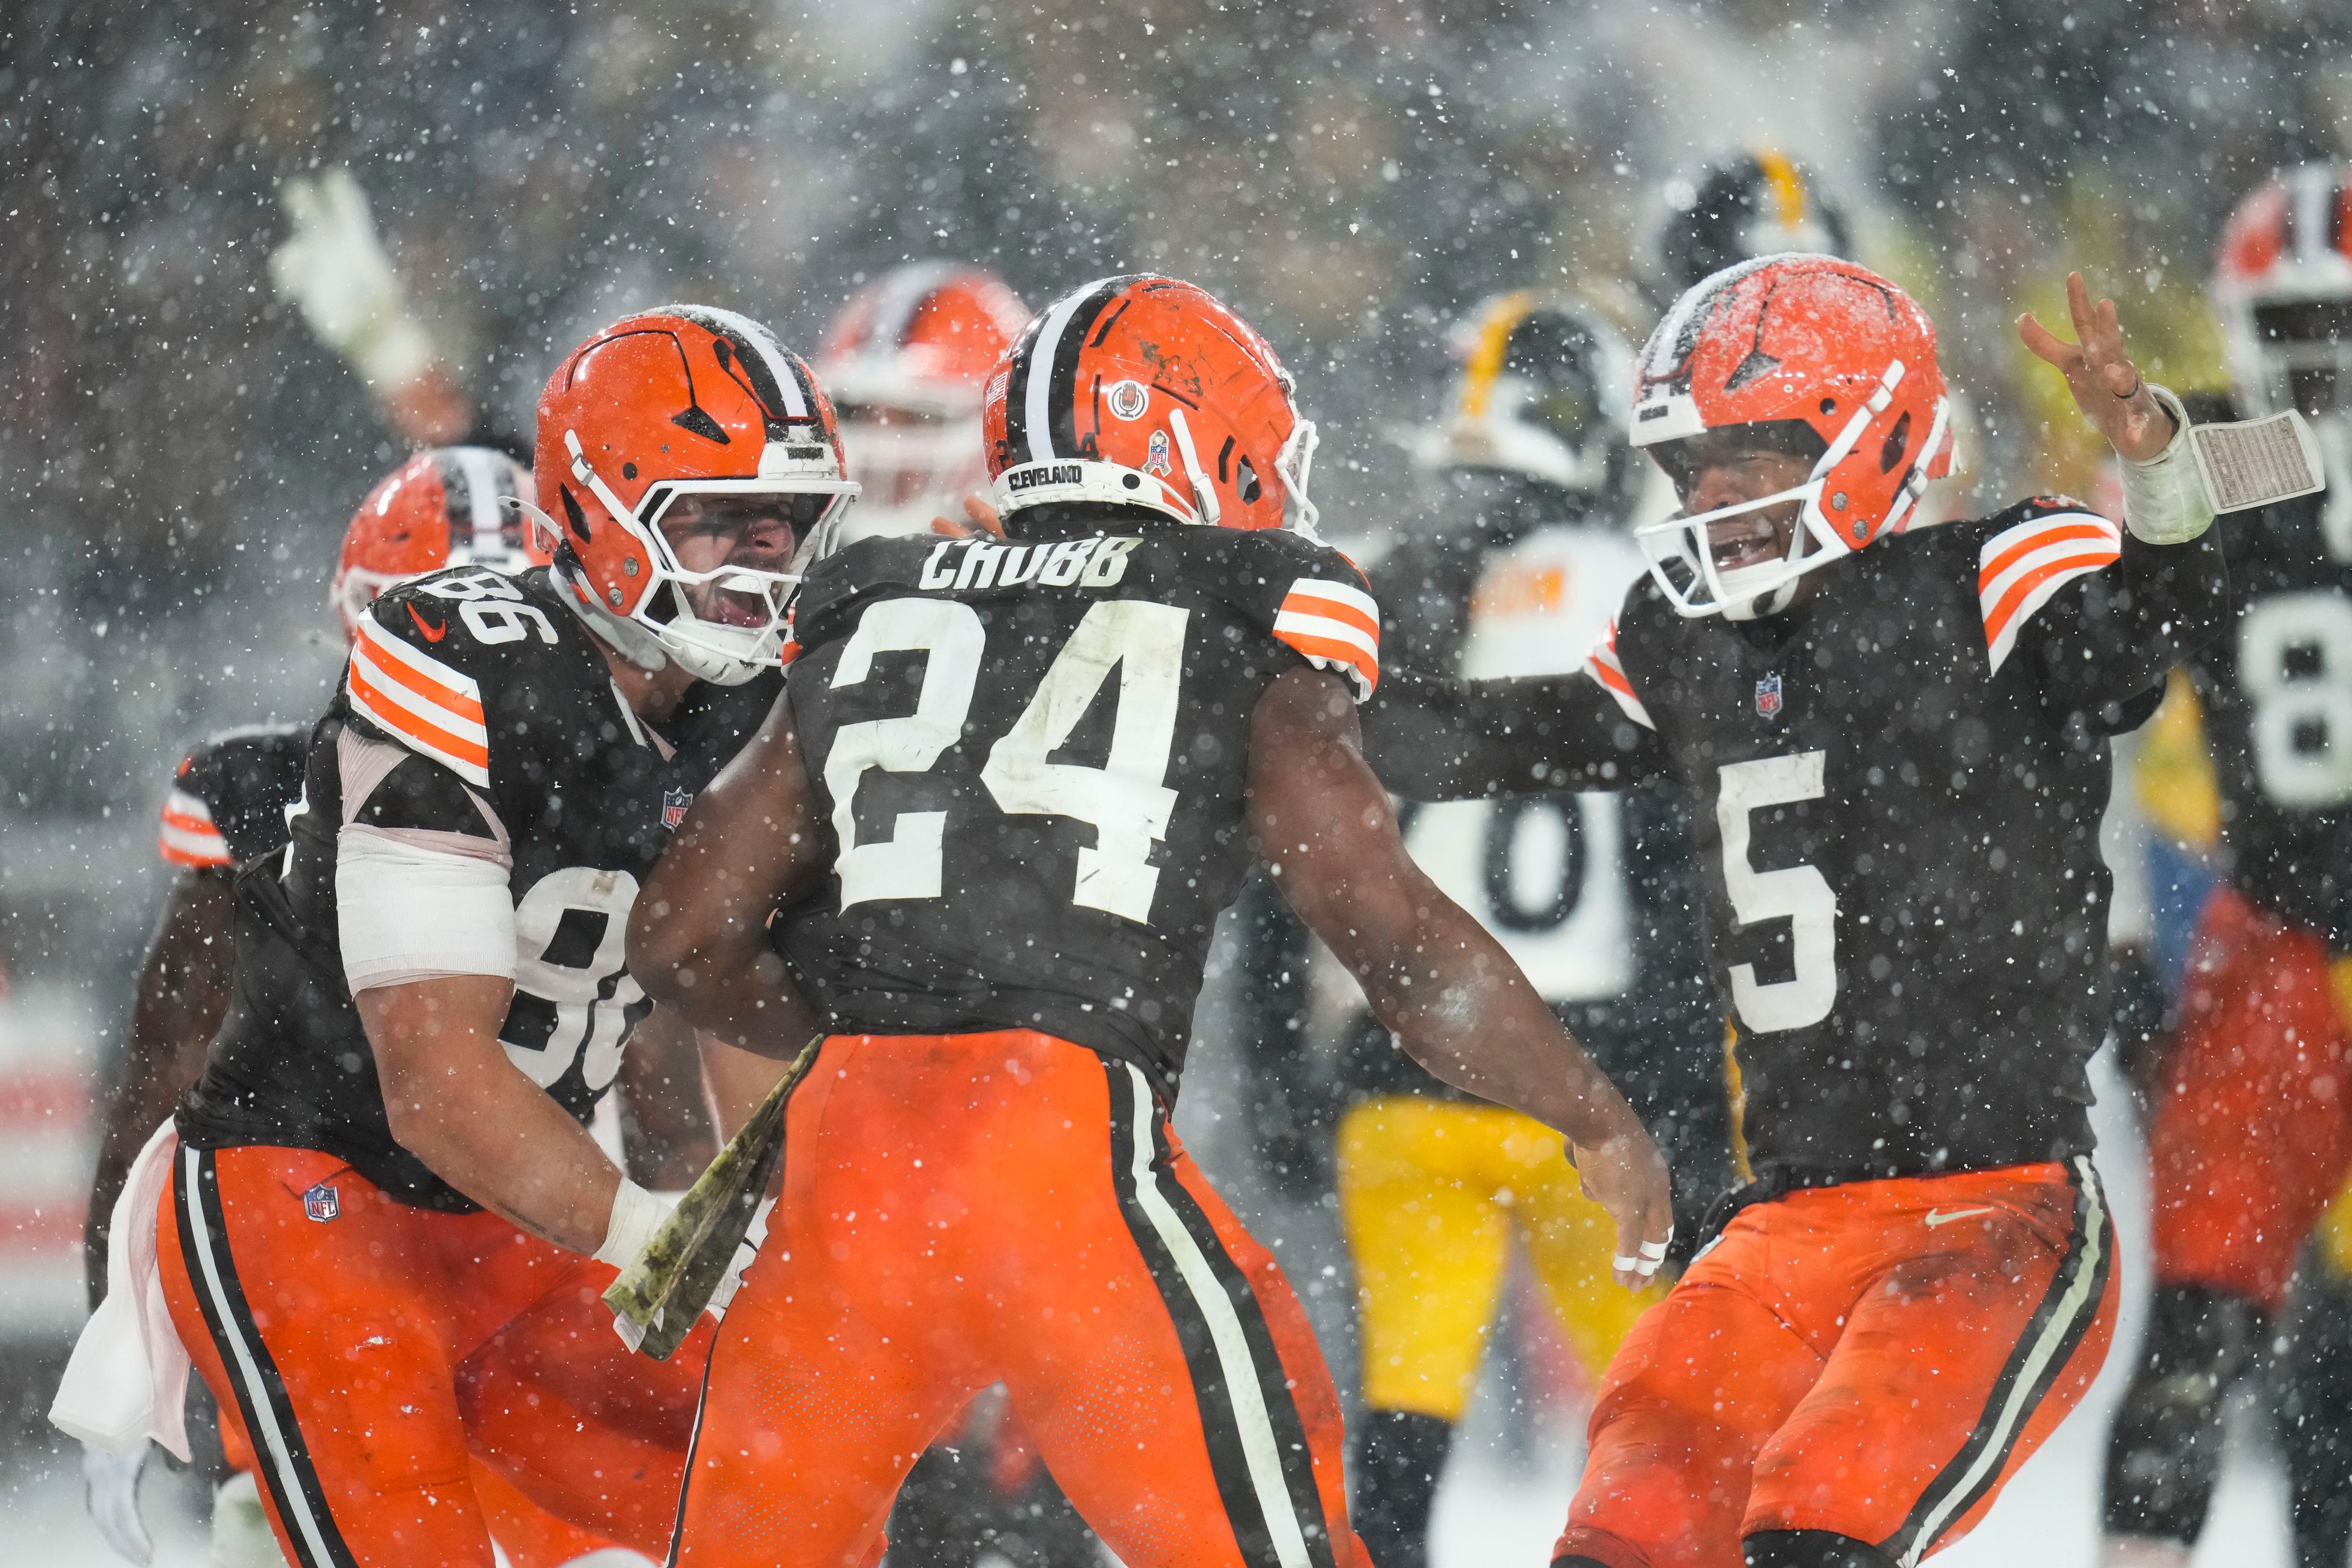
x=1336 y=627
x=2021 y=568
x=1604 y=667
x=188 y=836
x=420 y=701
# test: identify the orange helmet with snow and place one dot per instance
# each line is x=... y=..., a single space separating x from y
x=1822 y=354
x=452 y=506
x=1144 y=390
x=905 y=363
x=669 y=414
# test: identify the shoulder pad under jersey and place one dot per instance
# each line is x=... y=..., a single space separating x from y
x=435 y=657
x=1309 y=596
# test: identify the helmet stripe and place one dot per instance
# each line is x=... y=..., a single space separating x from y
x=1492 y=347
x=2307 y=216
x=756 y=346
x=474 y=464
x=907 y=291
x=1040 y=421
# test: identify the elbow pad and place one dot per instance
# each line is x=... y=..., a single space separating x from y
x=407 y=912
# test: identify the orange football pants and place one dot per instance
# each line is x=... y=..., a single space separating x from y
x=961 y=1210
x=368 y=1356
x=2252 y=1127
x=1872 y=1361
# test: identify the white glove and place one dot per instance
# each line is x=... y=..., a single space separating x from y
x=110 y=1491
x=334 y=270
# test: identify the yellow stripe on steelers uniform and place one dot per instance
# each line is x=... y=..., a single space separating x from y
x=1431 y=1193
x=1787 y=186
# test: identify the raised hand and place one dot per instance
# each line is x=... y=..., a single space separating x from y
x=2108 y=388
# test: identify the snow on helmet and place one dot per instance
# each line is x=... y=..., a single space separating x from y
x=672 y=413
x=1146 y=392
x=1789 y=341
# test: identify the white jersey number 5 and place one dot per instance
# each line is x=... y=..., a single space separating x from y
x=1798 y=894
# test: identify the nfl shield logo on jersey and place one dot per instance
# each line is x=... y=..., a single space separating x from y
x=1768 y=697
x=674 y=804
x=320 y=1203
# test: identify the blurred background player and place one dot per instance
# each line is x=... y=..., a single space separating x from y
x=904 y=361
x=1530 y=485
x=228 y=806
x=2250 y=1127
x=1756 y=202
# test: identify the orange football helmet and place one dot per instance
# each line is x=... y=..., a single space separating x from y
x=452 y=506
x=699 y=416
x=1806 y=340
x=1144 y=390
x=2284 y=287
x=905 y=363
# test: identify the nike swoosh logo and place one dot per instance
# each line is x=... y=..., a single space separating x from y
x=432 y=633
x=1940 y=1216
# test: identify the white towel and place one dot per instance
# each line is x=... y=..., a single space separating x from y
x=128 y=1379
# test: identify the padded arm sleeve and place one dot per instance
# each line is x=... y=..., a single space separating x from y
x=408 y=911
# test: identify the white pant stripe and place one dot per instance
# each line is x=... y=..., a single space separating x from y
x=247 y=1371
x=1241 y=1375
x=2022 y=1393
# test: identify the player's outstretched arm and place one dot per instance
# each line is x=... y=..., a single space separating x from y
x=698 y=935
x=455 y=1101
x=2110 y=638
x=1431 y=739
x=183 y=993
x=1432 y=975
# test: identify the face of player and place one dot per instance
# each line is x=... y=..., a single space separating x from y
x=758 y=532
x=1730 y=468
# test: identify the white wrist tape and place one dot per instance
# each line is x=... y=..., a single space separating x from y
x=636 y=1215
x=2164 y=497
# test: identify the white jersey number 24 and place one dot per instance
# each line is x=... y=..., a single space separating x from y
x=1127 y=802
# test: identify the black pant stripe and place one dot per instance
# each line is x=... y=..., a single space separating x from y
x=1220 y=1424
x=2065 y=1314
x=1273 y=1377
x=281 y=1455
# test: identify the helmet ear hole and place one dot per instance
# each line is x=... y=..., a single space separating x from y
x=573 y=518
x=1897 y=440
x=1245 y=483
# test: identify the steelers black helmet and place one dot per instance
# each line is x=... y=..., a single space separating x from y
x=1758 y=203
x=1538 y=406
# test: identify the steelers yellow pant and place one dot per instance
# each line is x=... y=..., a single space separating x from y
x=1431 y=1191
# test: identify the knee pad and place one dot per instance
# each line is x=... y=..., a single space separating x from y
x=1400 y=1453
x=2165 y=1452
x=1810 y=1548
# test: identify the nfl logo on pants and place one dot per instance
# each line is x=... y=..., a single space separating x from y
x=1768 y=697
x=320 y=1203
